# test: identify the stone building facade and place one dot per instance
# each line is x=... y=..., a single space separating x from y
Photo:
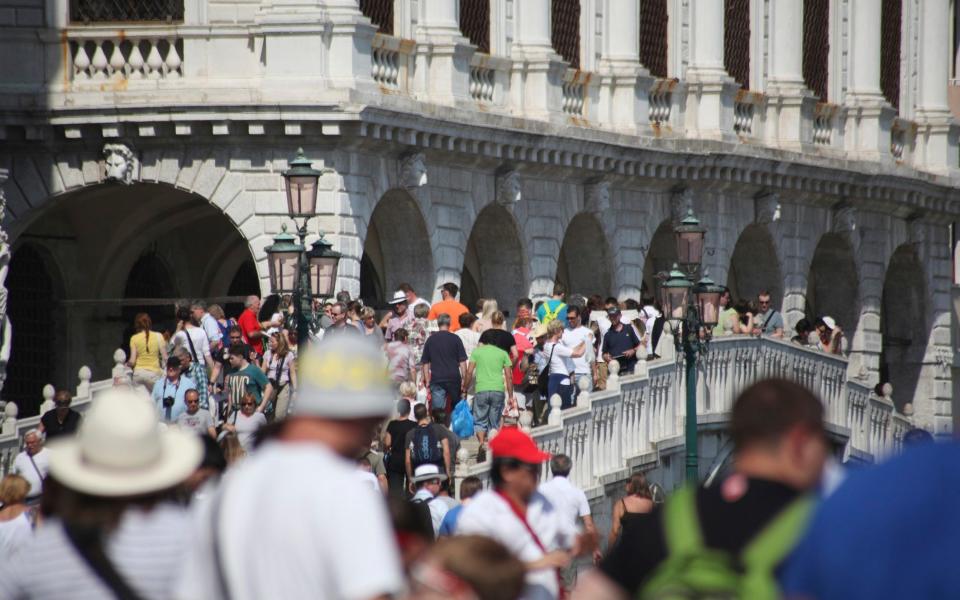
x=501 y=144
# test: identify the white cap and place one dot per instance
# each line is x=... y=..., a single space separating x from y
x=829 y=322
x=343 y=377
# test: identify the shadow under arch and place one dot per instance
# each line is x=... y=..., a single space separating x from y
x=754 y=267
x=98 y=233
x=396 y=250
x=494 y=263
x=833 y=284
x=584 y=263
x=903 y=324
x=661 y=254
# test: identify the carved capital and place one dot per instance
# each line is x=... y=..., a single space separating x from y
x=766 y=207
x=119 y=162
x=509 y=189
x=598 y=197
x=413 y=171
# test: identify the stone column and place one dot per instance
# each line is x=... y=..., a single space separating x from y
x=936 y=135
x=790 y=105
x=869 y=117
x=710 y=91
x=622 y=104
x=538 y=74
x=443 y=54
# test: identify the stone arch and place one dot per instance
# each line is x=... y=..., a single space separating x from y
x=754 y=266
x=833 y=283
x=33 y=306
x=396 y=249
x=585 y=261
x=661 y=254
x=98 y=233
x=494 y=259
x=903 y=324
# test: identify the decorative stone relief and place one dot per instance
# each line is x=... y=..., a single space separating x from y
x=681 y=200
x=598 y=197
x=119 y=162
x=509 y=190
x=413 y=170
x=917 y=232
x=766 y=208
x=845 y=223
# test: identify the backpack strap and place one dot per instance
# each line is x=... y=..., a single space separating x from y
x=682 y=525
x=769 y=547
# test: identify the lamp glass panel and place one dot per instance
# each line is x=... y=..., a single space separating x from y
x=677 y=302
x=283 y=271
x=302 y=195
x=709 y=307
x=690 y=247
x=323 y=275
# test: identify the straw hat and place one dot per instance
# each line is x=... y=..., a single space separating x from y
x=428 y=472
x=120 y=449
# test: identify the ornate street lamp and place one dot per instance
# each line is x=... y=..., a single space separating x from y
x=283 y=262
x=324 y=262
x=690 y=235
x=692 y=311
x=301 y=180
x=293 y=269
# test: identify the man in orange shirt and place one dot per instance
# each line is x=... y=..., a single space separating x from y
x=449 y=305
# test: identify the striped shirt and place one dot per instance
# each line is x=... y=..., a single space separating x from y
x=147 y=549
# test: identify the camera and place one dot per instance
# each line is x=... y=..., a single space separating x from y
x=168 y=402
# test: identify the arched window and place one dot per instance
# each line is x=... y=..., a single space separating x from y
x=653 y=36
x=890 y=22
x=816 y=46
x=736 y=40
x=475 y=23
x=565 y=32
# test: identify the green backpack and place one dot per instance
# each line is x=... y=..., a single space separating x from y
x=692 y=570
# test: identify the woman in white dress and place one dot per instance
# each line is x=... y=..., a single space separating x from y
x=16 y=518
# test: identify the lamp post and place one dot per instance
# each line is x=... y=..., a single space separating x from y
x=293 y=269
x=692 y=317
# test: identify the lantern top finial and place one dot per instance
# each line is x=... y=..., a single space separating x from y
x=301 y=166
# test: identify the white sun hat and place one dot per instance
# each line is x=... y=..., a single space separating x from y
x=428 y=472
x=398 y=297
x=120 y=449
x=829 y=322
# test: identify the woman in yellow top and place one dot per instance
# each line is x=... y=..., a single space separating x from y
x=147 y=352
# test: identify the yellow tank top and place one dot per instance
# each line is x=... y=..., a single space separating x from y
x=148 y=354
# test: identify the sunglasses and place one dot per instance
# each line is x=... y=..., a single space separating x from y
x=247 y=404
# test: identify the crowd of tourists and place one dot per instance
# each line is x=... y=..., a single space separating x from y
x=228 y=465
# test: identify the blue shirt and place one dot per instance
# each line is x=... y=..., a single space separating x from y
x=889 y=531
x=552 y=306
x=163 y=388
x=449 y=523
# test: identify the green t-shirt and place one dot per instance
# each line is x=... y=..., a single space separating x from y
x=490 y=362
x=725 y=323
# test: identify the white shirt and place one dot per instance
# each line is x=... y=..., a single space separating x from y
x=649 y=314
x=331 y=528
x=211 y=328
x=560 y=355
x=15 y=534
x=23 y=467
x=571 y=502
x=489 y=514
x=368 y=478
x=572 y=338
x=469 y=337
x=147 y=548
x=603 y=322
x=438 y=508
x=200 y=343
x=247 y=426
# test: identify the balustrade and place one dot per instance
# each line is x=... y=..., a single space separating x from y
x=744 y=111
x=660 y=101
x=123 y=57
x=823 y=123
x=388 y=61
x=574 y=93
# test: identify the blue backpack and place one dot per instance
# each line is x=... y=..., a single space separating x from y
x=426 y=448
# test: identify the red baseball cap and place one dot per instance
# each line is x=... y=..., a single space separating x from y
x=511 y=442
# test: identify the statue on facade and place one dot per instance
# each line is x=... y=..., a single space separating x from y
x=119 y=162
x=766 y=207
x=509 y=189
x=598 y=197
x=413 y=171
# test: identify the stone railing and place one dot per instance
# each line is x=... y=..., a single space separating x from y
x=824 y=118
x=12 y=429
x=660 y=101
x=640 y=417
x=489 y=79
x=902 y=137
x=744 y=112
x=99 y=55
x=388 y=62
x=574 y=92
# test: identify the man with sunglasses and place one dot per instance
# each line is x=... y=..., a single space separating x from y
x=574 y=335
x=768 y=320
x=516 y=515
x=62 y=420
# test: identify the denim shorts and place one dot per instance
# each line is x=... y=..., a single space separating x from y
x=487 y=409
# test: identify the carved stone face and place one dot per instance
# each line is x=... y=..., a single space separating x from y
x=118 y=160
x=509 y=189
x=413 y=171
